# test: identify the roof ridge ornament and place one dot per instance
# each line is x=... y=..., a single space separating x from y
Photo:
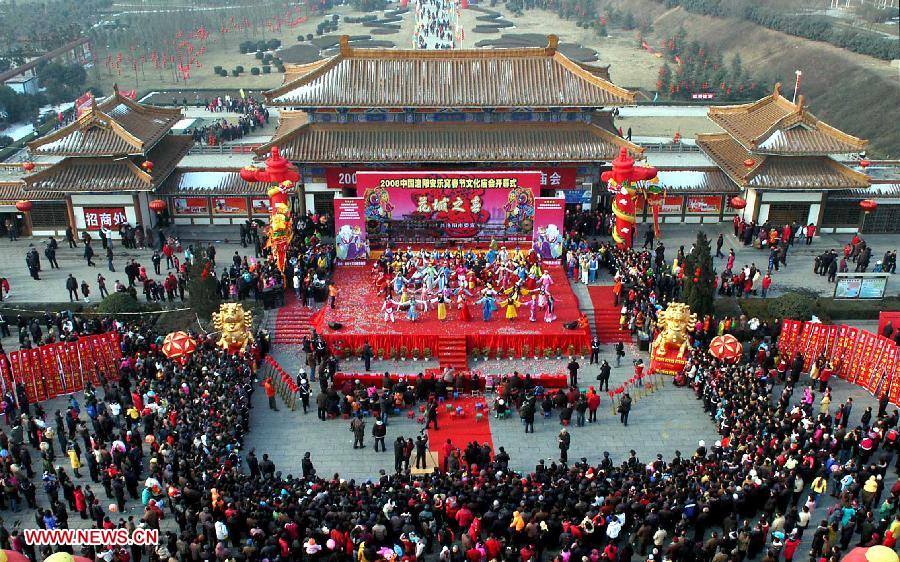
x=800 y=100
x=777 y=91
x=346 y=49
x=552 y=44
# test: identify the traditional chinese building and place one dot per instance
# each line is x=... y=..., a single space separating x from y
x=782 y=160
x=480 y=109
x=110 y=161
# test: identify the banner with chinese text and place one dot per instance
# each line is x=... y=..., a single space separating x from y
x=554 y=177
x=479 y=205
x=549 y=216
x=96 y=218
x=349 y=228
x=190 y=205
x=229 y=206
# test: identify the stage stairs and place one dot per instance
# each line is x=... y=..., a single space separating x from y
x=606 y=316
x=293 y=322
x=452 y=352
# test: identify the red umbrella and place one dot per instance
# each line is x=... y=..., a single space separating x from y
x=179 y=346
x=725 y=347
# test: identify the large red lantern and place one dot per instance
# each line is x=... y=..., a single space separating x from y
x=148 y=166
x=24 y=206
x=157 y=205
x=179 y=346
x=28 y=166
x=864 y=163
x=738 y=202
x=726 y=348
x=868 y=205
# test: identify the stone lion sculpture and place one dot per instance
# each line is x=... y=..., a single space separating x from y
x=674 y=323
x=234 y=324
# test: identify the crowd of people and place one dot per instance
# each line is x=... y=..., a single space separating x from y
x=435 y=21
x=170 y=436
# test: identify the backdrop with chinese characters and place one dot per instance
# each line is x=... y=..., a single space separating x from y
x=470 y=205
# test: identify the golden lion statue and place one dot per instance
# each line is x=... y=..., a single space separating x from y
x=234 y=324
x=674 y=323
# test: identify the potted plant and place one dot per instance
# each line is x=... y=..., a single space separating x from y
x=526 y=351
x=548 y=352
x=380 y=353
x=476 y=354
x=511 y=353
x=404 y=353
x=559 y=353
x=426 y=353
x=415 y=354
x=570 y=351
x=395 y=354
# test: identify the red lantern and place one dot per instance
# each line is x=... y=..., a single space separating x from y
x=157 y=205
x=28 y=166
x=725 y=347
x=863 y=163
x=24 y=206
x=179 y=346
x=738 y=202
x=749 y=162
x=248 y=173
x=868 y=205
x=148 y=166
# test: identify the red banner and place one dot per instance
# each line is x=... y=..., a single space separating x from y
x=454 y=204
x=190 y=205
x=555 y=177
x=96 y=218
x=549 y=216
x=349 y=228
x=704 y=204
x=229 y=205
x=260 y=205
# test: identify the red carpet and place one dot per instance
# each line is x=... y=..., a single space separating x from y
x=359 y=311
x=460 y=430
x=606 y=315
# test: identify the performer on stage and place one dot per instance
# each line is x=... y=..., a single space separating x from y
x=441 y=307
x=489 y=305
x=388 y=309
x=463 y=306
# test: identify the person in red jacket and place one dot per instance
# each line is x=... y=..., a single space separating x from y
x=766 y=283
x=810 y=232
x=270 y=393
x=790 y=547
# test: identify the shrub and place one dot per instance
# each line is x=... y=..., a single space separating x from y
x=235 y=72
x=259 y=55
x=217 y=69
x=254 y=71
x=796 y=304
x=202 y=286
x=117 y=303
x=267 y=69
x=239 y=68
x=273 y=44
x=309 y=36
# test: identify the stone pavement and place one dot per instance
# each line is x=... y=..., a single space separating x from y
x=51 y=288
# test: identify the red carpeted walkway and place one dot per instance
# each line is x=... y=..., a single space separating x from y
x=294 y=321
x=460 y=430
x=606 y=315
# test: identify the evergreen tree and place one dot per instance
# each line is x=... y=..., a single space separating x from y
x=665 y=78
x=202 y=286
x=699 y=277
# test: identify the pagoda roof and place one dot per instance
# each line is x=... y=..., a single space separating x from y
x=114 y=127
x=776 y=171
x=535 y=77
x=450 y=142
x=14 y=191
x=775 y=125
x=210 y=181
x=94 y=174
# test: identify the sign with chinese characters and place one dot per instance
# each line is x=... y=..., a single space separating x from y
x=558 y=177
x=259 y=205
x=96 y=218
x=670 y=206
x=704 y=204
x=229 y=205
x=349 y=228
x=549 y=216
x=452 y=204
x=190 y=205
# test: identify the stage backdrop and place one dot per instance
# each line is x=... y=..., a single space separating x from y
x=349 y=228
x=549 y=216
x=464 y=204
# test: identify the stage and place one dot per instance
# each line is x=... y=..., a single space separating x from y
x=359 y=311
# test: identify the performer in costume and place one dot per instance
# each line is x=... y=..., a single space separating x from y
x=463 y=306
x=441 y=307
x=548 y=313
x=533 y=307
x=388 y=309
x=488 y=305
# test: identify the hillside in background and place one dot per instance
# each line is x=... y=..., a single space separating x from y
x=856 y=93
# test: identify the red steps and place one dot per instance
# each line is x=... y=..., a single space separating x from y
x=606 y=315
x=293 y=322
x=453 y=352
